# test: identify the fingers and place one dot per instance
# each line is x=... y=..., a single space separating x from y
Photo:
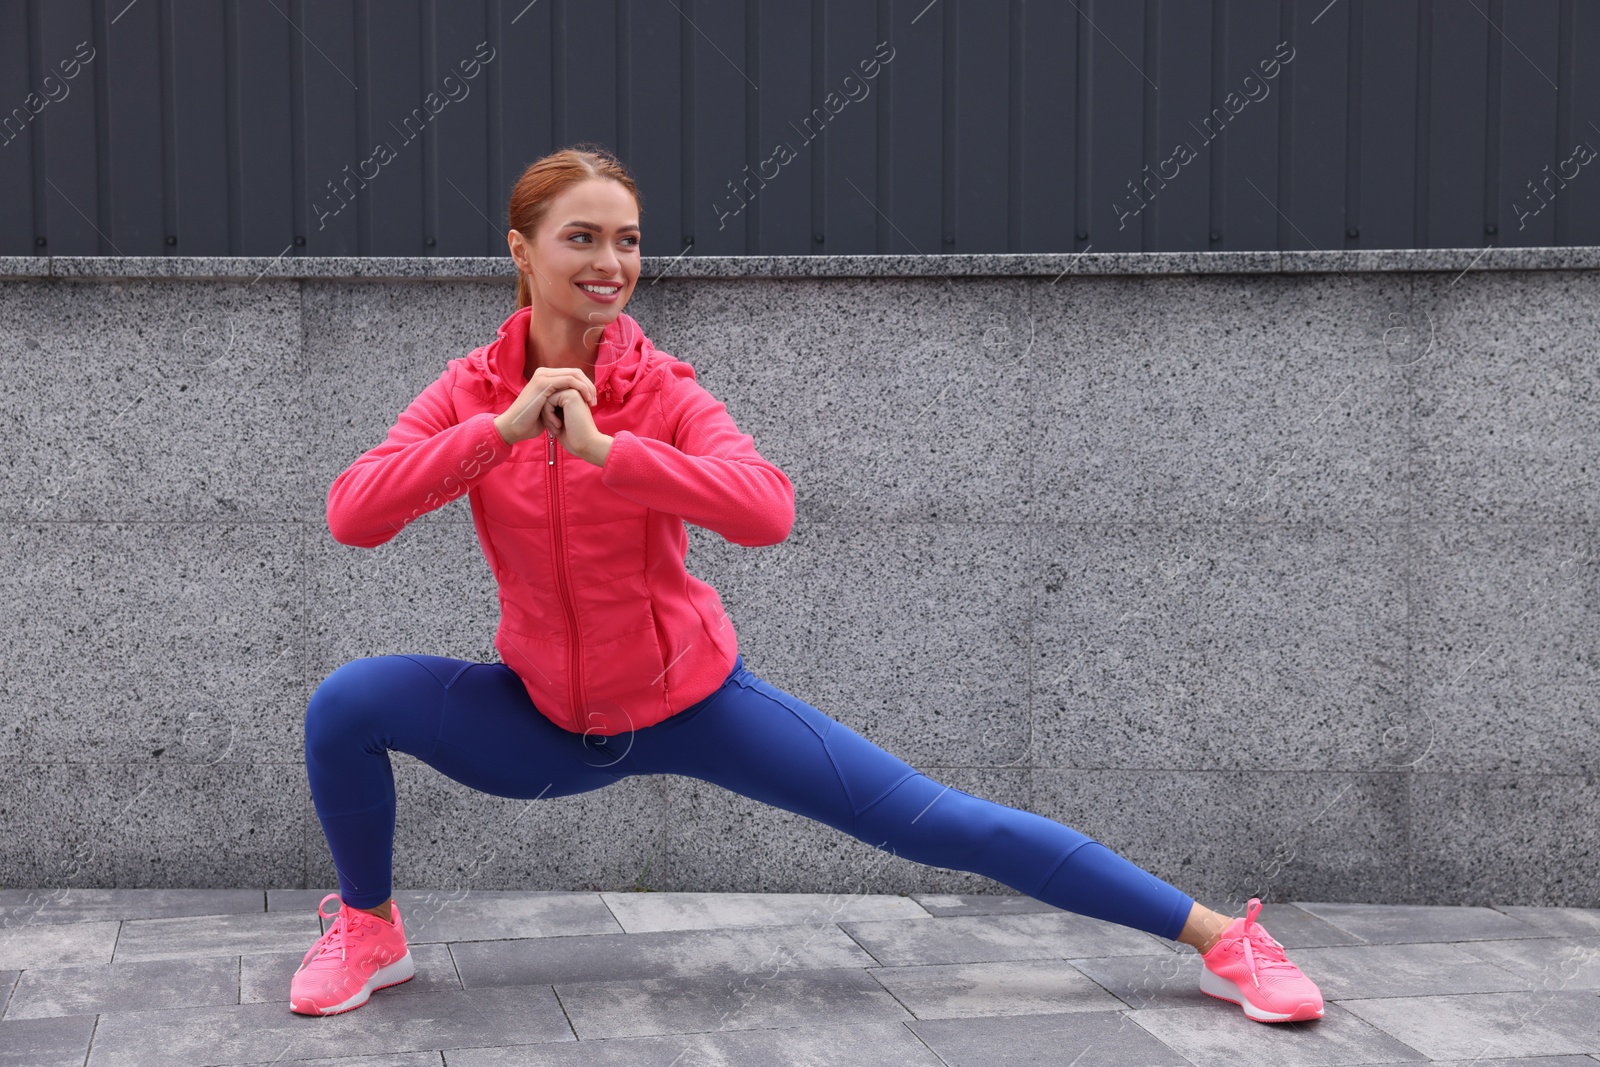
x=547 y=391
x=571 y=405
x=554 y=379
x=560 y=396
x=548 y=416
x=547 y=403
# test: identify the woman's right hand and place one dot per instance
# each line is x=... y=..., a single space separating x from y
x=531 y=413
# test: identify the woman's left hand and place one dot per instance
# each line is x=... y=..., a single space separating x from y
x=574 y=427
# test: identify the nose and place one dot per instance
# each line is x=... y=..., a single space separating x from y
x=607 y=262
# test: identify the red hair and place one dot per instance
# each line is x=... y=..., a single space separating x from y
x=548 y=178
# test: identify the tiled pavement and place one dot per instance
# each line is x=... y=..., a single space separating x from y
x=186 y=977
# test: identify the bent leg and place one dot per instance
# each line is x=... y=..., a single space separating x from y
x=471 y=721
x=764 y=743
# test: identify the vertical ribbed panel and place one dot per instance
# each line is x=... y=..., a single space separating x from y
x=340 y=127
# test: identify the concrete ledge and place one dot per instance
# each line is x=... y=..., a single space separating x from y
x=433 y=268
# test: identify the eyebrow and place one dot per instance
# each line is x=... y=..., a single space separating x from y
x=598 y=229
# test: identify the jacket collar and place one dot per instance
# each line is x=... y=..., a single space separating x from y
x=619 y=361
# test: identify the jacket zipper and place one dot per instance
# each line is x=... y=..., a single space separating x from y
x=561 y=581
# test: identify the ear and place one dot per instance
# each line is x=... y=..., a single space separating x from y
x=519 y=251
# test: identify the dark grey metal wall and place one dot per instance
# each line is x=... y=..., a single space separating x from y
x=253 y=127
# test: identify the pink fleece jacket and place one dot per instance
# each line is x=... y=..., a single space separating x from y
x=599 y=616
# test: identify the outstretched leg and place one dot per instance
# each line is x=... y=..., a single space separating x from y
x=471 y=721
x=764 y=743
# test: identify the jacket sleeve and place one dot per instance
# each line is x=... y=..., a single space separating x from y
x=710 y=475
x=427 y=460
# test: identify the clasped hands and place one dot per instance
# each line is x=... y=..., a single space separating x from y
x=557 y=399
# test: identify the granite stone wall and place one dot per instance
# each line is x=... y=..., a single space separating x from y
x=1274 y=572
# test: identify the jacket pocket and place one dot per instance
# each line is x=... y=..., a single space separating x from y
x=624 y=678
x=661 y=650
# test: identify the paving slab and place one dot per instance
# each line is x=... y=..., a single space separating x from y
x=22 y=947
x=946 y=904
x=1293 y=927
x=509 y=1015
x=8 y=982
x=215 y=935
x=1536 y=1023
x=668 y=954
x=489 y=916
x=478 y=914
x=1169 y=980
x=44 y=906
x=87 y=989
x=389 y=1059
x=1206 y=1037
x=1532 y=1061
x=248 y=1033
x=1341 y=973
x=308 y=899
x=1016 y=987
x=301 y=900
x=1418 y=969
x=1559 y=922
x=1570 y=963
x=646 y=912
x=1395 y=923
x=870 y=1045
x=265 y=976
x=726 y=1002
x=1084 y=1039
x=987 y=938
x=59 y=1042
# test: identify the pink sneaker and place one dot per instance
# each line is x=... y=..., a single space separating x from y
x=1248 y=968
x=357 y=954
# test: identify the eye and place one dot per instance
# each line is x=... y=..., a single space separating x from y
x=589 y=237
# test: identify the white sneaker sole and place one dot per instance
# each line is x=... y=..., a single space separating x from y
x=401 y=970
x=1213 y=984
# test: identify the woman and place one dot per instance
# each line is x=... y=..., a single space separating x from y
x=583 y=450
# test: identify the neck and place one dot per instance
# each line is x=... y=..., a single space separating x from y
x=560 y=341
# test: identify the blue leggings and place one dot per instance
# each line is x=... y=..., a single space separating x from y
x=475 y=723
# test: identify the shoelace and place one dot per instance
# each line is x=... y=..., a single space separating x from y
x=337 y=935
x=1261 y=952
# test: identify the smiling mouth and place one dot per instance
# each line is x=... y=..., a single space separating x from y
x=600 y=290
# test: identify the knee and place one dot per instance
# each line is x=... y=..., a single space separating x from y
x=344 y=703
x=972 y=824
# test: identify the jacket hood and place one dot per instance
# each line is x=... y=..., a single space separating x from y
x=619 y=361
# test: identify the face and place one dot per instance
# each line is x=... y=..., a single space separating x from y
x=590 y=235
